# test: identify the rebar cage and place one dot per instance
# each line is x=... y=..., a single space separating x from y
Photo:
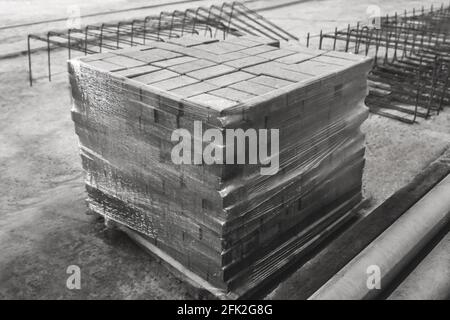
x=411 y=61
x=216 y=21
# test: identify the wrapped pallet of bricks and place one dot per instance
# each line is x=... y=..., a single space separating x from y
x=147 y=118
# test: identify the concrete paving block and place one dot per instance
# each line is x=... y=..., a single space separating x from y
x=211 y=72
x=213 y=48
x=98 y=56
x=199 y=54
x=295 y=58
x=106 y=66
x=214 y=102
x=276 y=54
x=230 y=78
x=138 y=71
x=191 y=66
x=220 y=47
x=246 y=62
x=243 y=41
x=230 y=56
x=278 y=70
x=232 y=94
x=168 y=46
x=129 y=89
x=148 y=95
x=260 y=40
x=149 y=58
x=132 y=53
x=299 y=68
x=231 y=47
x=264 y=67
x=194 y=89
x=156 y=76
x=125 y=61
x=334 y=61
x=317 y=68
x=271 y=81
x=173 y=62
x=257 y=50
x=299 y=94
x=154 y=55
x=252 y=87
x=288 y=74
x=175 y=82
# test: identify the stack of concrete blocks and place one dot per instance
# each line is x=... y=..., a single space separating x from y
x=230 y=224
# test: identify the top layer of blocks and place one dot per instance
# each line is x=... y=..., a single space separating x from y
x=223 y=75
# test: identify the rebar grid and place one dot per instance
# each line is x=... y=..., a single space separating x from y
x=215 y=21
x=411 y=55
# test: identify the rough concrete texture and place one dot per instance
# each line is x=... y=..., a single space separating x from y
x=54 y=14
x=394 y=249
x=430 y=279
x=302 y=16
x=308 y=278
x=43 y=223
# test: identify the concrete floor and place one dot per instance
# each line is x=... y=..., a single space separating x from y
x=43 y=223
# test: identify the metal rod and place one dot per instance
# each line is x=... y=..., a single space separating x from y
x=48 y=58
x=29 y=61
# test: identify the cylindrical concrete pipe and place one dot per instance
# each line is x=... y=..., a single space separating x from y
x=430 y=280
x=391 y=251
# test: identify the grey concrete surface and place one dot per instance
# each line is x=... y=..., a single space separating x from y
x=430 y=280
x=393 y=250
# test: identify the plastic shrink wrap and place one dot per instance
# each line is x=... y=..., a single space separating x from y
x=228 y=223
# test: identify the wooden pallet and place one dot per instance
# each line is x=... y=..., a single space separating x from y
x=200 y=288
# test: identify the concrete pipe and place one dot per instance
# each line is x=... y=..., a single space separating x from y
x=430 y=280
x=373 y=269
